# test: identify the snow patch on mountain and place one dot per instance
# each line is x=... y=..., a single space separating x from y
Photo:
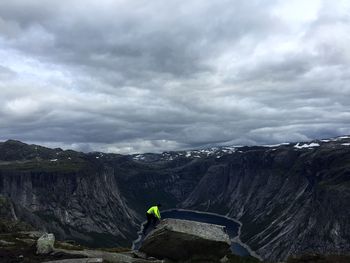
x=219 y=151
x=305 y=145
x=139 y=157
x=276 y=145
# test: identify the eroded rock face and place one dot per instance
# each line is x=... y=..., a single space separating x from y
x=176 y=239
x=83 y=204
x=291 y=201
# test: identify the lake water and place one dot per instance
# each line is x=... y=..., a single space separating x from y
x=231 y=226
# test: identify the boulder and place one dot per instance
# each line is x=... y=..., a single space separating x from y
x=182 y=240
x=45 y=244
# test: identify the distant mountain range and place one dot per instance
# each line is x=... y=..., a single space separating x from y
x=292 y=198
x=223 y=150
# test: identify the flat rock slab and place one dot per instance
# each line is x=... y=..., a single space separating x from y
x=77 y=260
x=108 y=256
x=176 y=239
x=6 y=243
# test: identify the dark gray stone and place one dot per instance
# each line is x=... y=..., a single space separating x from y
x=185 y=240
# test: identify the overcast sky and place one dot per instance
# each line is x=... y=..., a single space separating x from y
x=131 y=76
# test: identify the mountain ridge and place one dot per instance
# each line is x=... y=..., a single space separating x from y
x=283 y=194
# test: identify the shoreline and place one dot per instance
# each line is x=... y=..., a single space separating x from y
x=236 y=239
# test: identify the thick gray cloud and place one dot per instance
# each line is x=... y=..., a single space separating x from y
x=136 y=76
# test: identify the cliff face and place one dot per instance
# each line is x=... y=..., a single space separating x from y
x=290 y=198
x=76 y=205
x=73 y=195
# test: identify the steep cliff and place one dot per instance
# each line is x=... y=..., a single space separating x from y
x=69 y=193
x=290 y=200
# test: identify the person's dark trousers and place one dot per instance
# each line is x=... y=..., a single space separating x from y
x=151 y=219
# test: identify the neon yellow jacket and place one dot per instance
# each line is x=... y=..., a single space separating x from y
x=154 y=210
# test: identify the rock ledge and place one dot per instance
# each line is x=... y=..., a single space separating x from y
x=176 y=239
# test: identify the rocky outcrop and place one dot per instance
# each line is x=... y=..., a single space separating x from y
x=187 y=240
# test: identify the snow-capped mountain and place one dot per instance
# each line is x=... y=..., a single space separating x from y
x=224 y=150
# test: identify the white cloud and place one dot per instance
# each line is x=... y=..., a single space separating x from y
x=297 y=12
x=22 y=106
x=137 y=76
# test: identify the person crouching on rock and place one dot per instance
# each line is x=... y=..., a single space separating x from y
x=153 y=215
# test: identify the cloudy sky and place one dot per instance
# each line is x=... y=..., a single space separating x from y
x=131 y=76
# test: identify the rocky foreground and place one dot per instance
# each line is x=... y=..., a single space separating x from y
x=172 y=240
